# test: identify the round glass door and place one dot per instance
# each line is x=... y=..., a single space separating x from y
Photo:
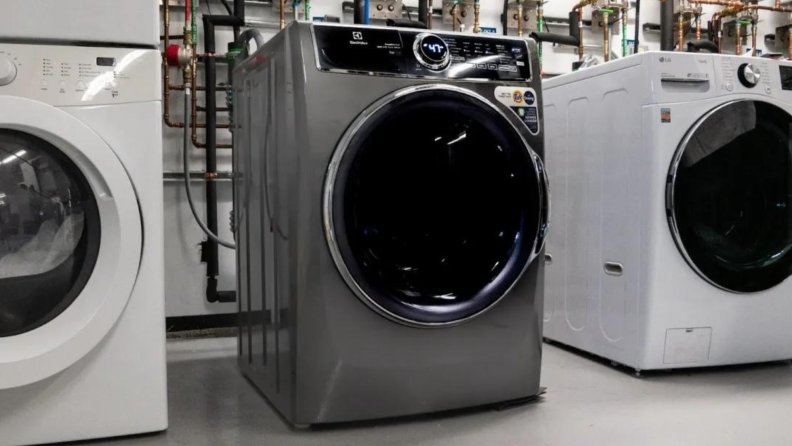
x=434 y=206
x=49 y=232
x=730 y=196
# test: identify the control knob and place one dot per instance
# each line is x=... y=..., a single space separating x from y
x=431 y=51
x=749 y=75
x=8 y=70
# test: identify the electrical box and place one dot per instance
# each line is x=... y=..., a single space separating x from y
x=529 y=17
x=385 y=9
x=464 y=13
x=598 y=22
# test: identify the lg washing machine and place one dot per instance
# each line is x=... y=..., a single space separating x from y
x=672 y=242
x=390 y=205
x=82 y=348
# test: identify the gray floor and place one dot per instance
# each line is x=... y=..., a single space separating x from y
x=587 y=403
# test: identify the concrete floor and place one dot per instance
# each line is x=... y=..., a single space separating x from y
x=587 y=403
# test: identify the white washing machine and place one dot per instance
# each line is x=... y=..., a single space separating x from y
x=82 y=348
x=672 y=195
x=128 y=22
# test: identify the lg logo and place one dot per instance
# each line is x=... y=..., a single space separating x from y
x=357 y=35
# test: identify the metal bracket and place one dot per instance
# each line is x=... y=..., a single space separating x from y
x=385 y=9
x=529 y=16
x=464 y=13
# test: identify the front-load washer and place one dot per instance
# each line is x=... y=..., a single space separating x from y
x=390 y=202
x=107 y=22
x=672 y=178
x=82 y=348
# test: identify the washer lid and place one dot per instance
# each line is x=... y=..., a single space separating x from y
x=70 y=240
x=434 y=206
x=729 y=196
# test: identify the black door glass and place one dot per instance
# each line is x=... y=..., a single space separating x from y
x=436 y=207
x=733 y=197
x=49 y=232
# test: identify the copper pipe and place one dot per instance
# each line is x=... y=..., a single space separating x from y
x=580 y=33
x=581 y=4
x=789 y=37
x=738 y=38
x=698 y=26
x=282 y=14
x=778 y=3
x=718 y=3
x=454 y=13
x=476 y=15
x=754 y=30
x=680 y=32
x=519 y=18
x=605 y=37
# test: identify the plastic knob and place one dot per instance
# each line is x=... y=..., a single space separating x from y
x=749 y=75
x=8 y=71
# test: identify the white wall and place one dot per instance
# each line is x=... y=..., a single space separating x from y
x=185 y=279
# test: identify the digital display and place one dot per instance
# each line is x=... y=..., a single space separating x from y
x=434 y=48
x=786 y=78
x=105 y=61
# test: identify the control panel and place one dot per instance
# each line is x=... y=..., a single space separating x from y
x=745 y=74
x=68 y=76
x=419 y=53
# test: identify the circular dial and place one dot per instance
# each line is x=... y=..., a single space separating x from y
x=8 y=71
x=749 y=75
x=431 y=51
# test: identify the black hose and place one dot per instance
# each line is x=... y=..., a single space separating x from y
x=559 y=39
x=696 y=46
x=505 y=18
x=667 y=25
x=423 y=11
x=574 y=25
x=637 y=25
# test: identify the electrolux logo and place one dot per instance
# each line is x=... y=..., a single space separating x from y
x=357 y=35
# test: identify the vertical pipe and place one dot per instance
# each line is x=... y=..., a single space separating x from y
x=580 y=33
x=754 y=31
x=720 y=35
x=296 y=10
x=454 y=15
x=606 y=36
x=366 y=11
x=624 y=31
x=680 y=31
x=540 y=28
x=307 y=12
x=519 y=18
x=429 y=14
x=283 y=14
x=698 y=26
x=637 y=25
x=789 y=39
x=210 y=80
x=423 y=13
x=738 y=37
x=476 y=15
x=667 y=25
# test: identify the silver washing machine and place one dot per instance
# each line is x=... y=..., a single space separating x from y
x=391 y=211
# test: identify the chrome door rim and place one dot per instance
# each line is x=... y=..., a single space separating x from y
x=329 y=188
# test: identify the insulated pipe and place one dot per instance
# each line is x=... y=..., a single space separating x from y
x=307 y=11
x=505 y=18
x=667 y=25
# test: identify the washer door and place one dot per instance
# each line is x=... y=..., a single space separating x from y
x=70 y=240
x=729 y=196
x=434 y=206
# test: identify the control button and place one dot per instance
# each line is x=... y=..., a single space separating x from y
x=749 y=75
x=44 y=83
x=729 y=86
x=432 y=52
x=62 y=83
x=768 y=90
x=504 y=68
x=81 y=85
x=8 y=71
x=492 y=66
x=481 y=66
